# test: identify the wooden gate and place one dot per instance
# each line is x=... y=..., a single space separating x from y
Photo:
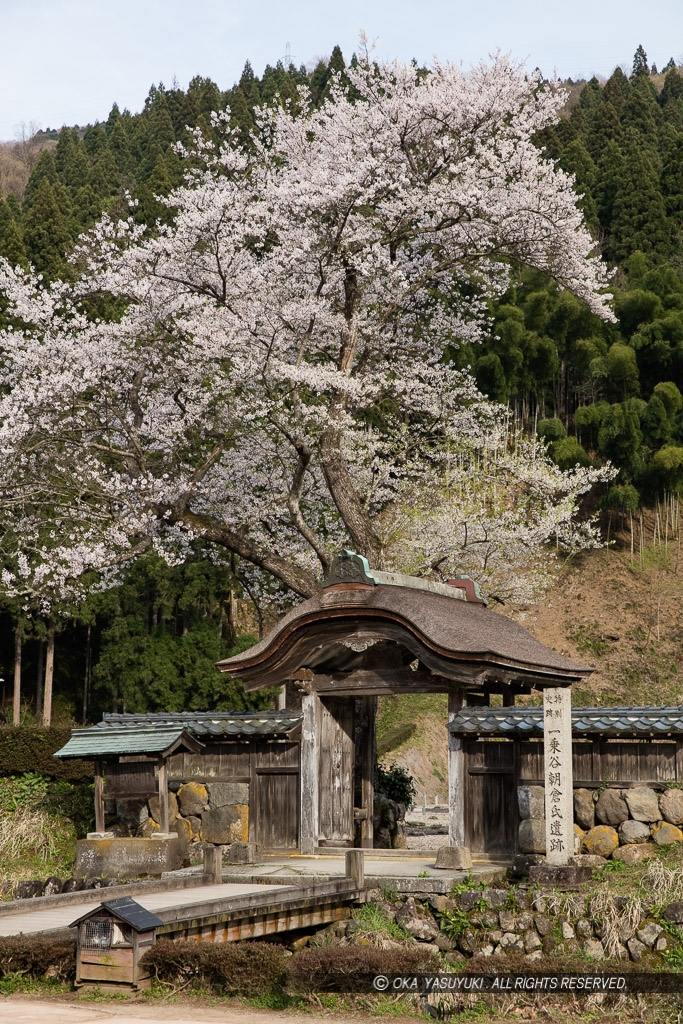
x=275 y=795
x=491 y=811
x=335 y=782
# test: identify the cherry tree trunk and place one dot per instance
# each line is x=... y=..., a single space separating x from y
x=49 y=673
x=16 y=707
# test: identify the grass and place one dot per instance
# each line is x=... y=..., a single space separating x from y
x=374 y=919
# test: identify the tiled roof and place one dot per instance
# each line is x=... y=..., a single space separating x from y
x=207 y=724
x=153 y=734
x=96 y=742
x=645 y=721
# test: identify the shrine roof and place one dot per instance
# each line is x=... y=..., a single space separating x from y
x=446 y=626
x=525 y=721
x=96 y=742
x=156 y=733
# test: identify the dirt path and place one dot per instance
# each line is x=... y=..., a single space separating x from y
x=25 y=1010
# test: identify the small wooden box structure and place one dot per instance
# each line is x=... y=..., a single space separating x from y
x=110 y=942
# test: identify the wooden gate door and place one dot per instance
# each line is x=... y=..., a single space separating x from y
x=275 y=781
x=335 y=781
x=491 y=811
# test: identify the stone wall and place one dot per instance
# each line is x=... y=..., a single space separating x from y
x=610 y=822
x=215 y=812
x=519 y=922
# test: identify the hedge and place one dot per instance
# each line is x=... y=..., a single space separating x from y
x=30 y=749
x=229 y=968
x=38 y=957
x=333 y=968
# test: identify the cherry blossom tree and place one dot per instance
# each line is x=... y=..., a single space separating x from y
x=272 y=379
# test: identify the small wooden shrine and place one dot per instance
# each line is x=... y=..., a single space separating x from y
x=110 y=943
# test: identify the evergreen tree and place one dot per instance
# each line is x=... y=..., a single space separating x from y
x=639 y=214
x=46 y=234
x=94 y=139
x=45 y=169
x=12 y=246
x=640 y=66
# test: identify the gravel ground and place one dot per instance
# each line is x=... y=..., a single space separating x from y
x=426 y=842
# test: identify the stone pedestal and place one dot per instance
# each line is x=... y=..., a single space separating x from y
x=454 y=858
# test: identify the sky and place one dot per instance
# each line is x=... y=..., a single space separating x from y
x=68 y=61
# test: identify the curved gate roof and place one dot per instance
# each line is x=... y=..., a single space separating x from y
x=446 y=627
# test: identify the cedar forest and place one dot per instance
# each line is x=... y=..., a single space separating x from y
x=592 y=390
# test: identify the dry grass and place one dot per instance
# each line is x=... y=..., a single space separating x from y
x=27 y=833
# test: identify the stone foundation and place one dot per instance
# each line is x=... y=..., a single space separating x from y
x=216 y=813
x=610 y=822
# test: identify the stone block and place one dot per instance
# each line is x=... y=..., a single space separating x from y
x=636 y=949
x=643 y=804
x=532 y=835
x=567 y=931
x=611 y=808
x=494 y=897
x=544 y=925
x=592 y=947
x=584 y=808
x=508 y=921
x=223 y=793
x=531 y=942
x=525 y=921
x=578 y=838
x=417 y=921
x=633 y=832
x=193 y=797
x=588 y=860
x=674 y=912
x=222 y=825
x=671 y=806
x=601 y=840
x=531 y=800
x=584 y=929
x=27 y=890
x=666 y=834
x=522 y=862
x=633 y=854
x=155 y=808
x=149 y=828
x=649 y=932
x=559 y=874
x=453 y=858
x=128 y=858
x=512 y=941
x=242 y=853
x=53 y=885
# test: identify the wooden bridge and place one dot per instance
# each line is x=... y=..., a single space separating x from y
x=227 y=912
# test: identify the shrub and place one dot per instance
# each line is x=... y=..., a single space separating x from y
x=396 y=783
x=551 y=429
x=335 y=968
x=38 y=957
x=228 y=968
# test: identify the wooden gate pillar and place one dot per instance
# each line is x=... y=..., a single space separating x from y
x=310 y=772
x=456 y=775
x=368 y=759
